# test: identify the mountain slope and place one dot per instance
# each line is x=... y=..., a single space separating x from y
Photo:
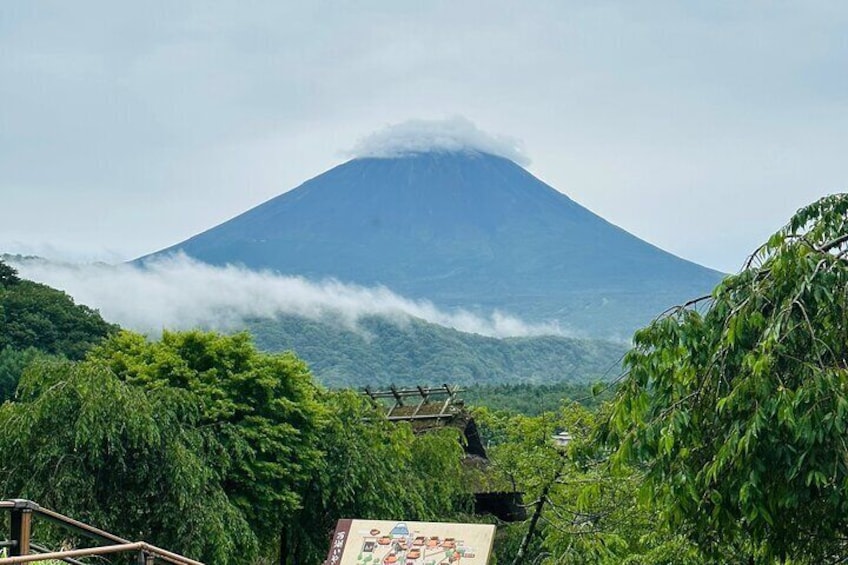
x=462 y=229
x=381 y=352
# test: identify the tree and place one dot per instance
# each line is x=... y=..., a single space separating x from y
x=374 y=469
x=262 y=408
x=36 y=320
x=135 y=462
x=736 y=406
x=8 y=275
x=35 y=315
x=12 y=365
x=579 y=512
x=230 y=439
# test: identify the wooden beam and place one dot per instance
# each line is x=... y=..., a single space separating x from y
x=424 y=396
x=397 y=395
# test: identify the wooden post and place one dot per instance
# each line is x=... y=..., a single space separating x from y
x=21 y=531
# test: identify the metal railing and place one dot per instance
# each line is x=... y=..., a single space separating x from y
x=23 y=550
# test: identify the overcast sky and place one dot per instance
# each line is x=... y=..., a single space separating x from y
x=699 y=126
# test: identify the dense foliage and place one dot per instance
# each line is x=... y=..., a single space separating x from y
x=579 y=511
x=201 y=443
x=738 y=414
x=12 y=365
x=375 y=469
x=533 y=400
x=262 y=408
x=35 y=315
x=39 y=321
x=8 y=276
x=80 y=440
x=412 y=352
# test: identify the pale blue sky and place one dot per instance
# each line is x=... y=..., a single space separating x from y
x=700 y=127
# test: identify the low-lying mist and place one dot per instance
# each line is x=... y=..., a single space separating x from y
x=181 y=293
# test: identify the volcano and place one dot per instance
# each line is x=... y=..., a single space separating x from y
x=463 y=229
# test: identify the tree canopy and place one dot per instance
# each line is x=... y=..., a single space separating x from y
x=80 y=440
x=39 y=321
x=376 y=469
x=201 y=443
x=381 y=352
x=578 y=510
x=736 y=406
x=8 y=275
x=35 y=315
x=263 y=408
x=12 y=365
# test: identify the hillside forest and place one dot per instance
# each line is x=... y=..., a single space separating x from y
x=722 y=441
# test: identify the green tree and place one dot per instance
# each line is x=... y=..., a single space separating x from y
x=37 y=320
x=12 y=365
x=262 y=408
x=534 y=399
x=374 y=469
x=35 y=315
x=136 y=462
x=737 y=407
x=213 y=426
x=8 y=275
x=578 y=510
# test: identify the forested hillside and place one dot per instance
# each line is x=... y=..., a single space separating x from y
x=36 y=320
x=535 y=399
x=413 y=352
x=35 y=315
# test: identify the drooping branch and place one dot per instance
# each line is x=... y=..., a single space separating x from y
x=537 y=513
x=832 y=244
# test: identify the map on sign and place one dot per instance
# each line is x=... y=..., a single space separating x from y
x=383 y=542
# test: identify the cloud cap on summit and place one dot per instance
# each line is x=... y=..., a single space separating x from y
x=450 y=135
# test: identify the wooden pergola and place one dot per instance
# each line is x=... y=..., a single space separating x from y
x=418 y=403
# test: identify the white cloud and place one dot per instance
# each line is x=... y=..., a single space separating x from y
x=452 y=135
x=64 y=251
x=180 y=293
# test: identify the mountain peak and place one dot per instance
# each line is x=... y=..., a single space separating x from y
x=462 y=227
x=451 y=135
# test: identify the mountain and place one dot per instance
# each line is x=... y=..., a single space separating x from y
x=372 y=350
x=380 y=352
x=463 y=229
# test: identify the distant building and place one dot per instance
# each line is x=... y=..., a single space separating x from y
x=561 y=439
x=431 y=408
